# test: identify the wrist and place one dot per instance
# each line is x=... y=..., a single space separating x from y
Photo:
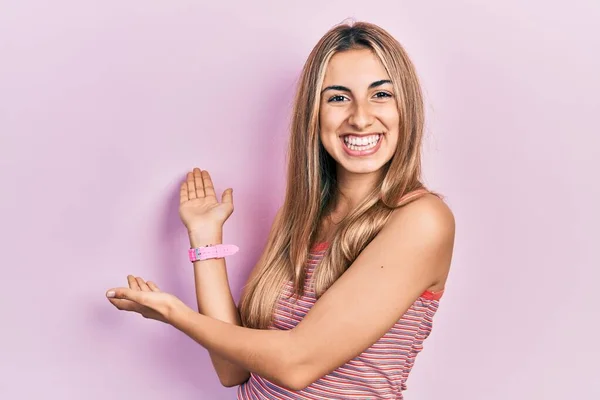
x=205 y=237
x=176 y=311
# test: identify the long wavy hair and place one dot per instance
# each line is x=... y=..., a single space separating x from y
x=311 y=178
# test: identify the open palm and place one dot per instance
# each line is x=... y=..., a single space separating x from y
x=144 y=298
x=198 y=205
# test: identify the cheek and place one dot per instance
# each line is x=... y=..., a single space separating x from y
x=391 y=119
x=324 y=121
x=391 y=116
x=330 y=119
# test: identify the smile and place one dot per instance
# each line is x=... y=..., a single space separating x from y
x=361 y=145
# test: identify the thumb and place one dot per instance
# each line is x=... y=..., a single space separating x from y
x=227 y=196
x=124 y=293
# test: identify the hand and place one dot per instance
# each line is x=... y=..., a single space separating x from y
x=144 y=298
x=198 y=205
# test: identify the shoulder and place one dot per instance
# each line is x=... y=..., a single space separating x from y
x=426 y=220
x=426 y=209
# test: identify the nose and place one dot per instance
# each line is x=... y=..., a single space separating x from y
x=360 y=116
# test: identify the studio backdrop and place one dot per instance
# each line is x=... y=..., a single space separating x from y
x=105 y=105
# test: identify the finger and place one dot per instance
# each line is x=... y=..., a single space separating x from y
x=142 y=284
x=209 y=188
x=153 y=286
x=126 y=294
x=183 y=193
x=132 y=282
x=191 y=186
x=198 y=182
x=124 y=305
x=227 y=196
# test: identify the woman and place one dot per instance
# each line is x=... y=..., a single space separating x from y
x=341 y=300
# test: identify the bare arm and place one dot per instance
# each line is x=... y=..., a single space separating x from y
x=409 y=255
x=215 y=300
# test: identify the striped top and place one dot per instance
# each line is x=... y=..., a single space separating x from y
x=380 y=372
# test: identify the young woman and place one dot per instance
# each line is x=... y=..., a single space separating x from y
x=341 y=300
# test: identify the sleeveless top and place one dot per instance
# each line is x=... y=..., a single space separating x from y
x=379 y=372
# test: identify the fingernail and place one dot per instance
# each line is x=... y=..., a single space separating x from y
x=110 y=293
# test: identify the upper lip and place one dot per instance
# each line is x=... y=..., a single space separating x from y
x=362 y=134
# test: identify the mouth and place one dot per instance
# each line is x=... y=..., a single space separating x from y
x=361 y=145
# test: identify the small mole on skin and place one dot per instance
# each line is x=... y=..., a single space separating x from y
x=382 y=266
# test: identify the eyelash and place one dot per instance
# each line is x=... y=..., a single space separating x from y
x=331 y=99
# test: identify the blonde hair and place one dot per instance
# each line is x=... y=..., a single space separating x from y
x=311 y=178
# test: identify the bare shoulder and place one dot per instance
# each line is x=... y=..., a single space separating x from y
x=425 y=228
x=428 y=215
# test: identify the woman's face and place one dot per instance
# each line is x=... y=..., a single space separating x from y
x=359 y=120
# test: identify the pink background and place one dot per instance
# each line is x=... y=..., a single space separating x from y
x=104 y=105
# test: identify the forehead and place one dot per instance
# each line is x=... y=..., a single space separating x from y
x=357 y=67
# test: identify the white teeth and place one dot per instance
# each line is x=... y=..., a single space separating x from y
x=361 y=143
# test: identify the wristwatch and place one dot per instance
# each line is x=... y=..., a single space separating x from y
x=212 y=251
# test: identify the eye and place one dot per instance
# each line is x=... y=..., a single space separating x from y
x=336 y=99
x=382 y=95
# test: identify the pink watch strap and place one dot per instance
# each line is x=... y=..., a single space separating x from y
x=212 y=251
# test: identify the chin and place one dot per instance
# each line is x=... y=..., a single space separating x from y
x=362 y=167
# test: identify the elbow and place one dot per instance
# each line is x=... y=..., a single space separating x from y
x=229 y=384
x=297 y=373
x=290 y=377
x=229 y=381
x=295 y=381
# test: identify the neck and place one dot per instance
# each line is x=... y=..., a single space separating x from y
x=352 y=188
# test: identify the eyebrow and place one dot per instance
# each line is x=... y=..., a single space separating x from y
x=345 y=89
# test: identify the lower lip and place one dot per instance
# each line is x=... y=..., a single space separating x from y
x=359 y=153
